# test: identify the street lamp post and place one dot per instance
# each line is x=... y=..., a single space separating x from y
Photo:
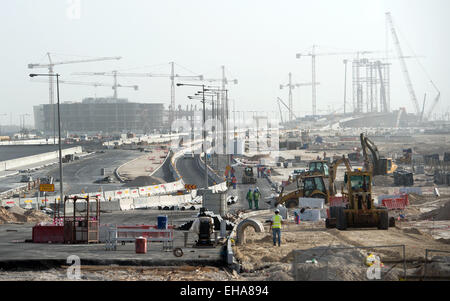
x=61 y=196
x=203 y=127
x=224 y=121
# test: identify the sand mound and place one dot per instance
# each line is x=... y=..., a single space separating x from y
x=412 y=231
x=19 y=215
x=347 y=265
x=440 y=214
x=383 y=181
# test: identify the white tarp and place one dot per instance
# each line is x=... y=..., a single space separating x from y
x=311 y=215
x=311 y=203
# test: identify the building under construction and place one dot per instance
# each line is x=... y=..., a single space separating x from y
x=108 y=115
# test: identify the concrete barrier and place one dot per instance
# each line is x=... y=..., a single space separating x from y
x=29 y=160
x=311 y=215
x=126 y=204
x=110 y=206
x=28 y=203
x=255 y=224
x=109 y=195
x=134 y=193
x=10 y=202
x=311 y=203
x=141 y=203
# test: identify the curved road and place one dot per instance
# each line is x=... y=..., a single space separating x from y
x=81 y=175
x=190 y=172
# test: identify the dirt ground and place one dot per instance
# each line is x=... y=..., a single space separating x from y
x=19 y=215
x=424 y=224
x=144 y=165
x=126 y=273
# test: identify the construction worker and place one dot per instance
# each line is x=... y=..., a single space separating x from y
x=249 y=198
x=275 y=223
x=234 y=181
x=256 y=196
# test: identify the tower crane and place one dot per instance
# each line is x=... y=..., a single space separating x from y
x=313 y=55
x=96 y=84
x=51 y=65
x=435 y=102
x=281 y=114
x=292 y=86
x=287 y=107
x=172 y=77
x=403 y=64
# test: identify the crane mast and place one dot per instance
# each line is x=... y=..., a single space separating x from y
x=403 y=64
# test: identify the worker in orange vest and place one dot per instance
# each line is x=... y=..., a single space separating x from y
x=234 y=181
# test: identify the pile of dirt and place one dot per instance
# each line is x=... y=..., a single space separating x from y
x=383 y=181
x=6 y=216
x=142 y=181
x=440 y=214
x=336 y=265
x=415 y=199
x=19 y=215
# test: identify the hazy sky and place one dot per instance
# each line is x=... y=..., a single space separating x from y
x=256 y=41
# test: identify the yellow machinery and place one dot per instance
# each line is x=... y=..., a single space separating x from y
x=333 y=171
x=319 y=166
x=360 y=210
x=308 y=185
x=311 y=183
x=377 y=164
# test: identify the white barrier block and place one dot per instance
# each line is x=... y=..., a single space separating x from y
x=416 y=190
x=134 y=193
x=118 y=194
x=311 y=203
x=10 y=202
x=140 y=203
x=143 y=191
x=126 y=204
x=311 y=215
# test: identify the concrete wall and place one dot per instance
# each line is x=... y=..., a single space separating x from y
x=16 y=163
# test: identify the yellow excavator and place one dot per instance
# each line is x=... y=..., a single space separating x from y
x=311 y=183
x=378 y=165
x=360 y=210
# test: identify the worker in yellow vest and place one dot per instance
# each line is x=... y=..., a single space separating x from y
x=275 y=223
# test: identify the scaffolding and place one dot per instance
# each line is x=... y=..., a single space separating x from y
x=371 y=86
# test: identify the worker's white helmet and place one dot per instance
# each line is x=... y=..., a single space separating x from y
x=277 y=211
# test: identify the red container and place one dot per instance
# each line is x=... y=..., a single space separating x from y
x=46 y=234
x=141 y=245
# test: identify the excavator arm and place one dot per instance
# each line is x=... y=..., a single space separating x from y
x=367 y=144
x=333 y=171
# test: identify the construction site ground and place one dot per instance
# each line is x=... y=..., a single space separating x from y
x=20 y=259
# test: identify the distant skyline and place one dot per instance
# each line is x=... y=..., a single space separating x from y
x=256 y=41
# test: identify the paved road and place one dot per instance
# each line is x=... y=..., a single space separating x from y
x=242 y=189
x=12 y=178
x=81 y=175
x=14 y=251
x=190 y=172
